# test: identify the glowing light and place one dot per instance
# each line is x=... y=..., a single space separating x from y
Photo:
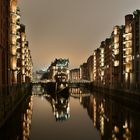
x=116 y=63
x=13 y=63
x=116 y=51
x=13 y=50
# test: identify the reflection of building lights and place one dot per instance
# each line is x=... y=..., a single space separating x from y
x=102 y=119
x=102 y=125
x=94 y=110
x=116 y=129
x=102 y=73
x=125 y=125
x=27 y=120
x=127 y=133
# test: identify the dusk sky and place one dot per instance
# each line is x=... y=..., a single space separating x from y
x=70 y=28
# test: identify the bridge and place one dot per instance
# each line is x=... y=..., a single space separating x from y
x=71 y=82
x=81 y=83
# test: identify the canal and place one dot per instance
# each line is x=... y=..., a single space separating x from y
x=80 y=115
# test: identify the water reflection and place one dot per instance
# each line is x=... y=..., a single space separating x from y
x=114 y=120
x=86 y=115
x=18 y=126
x=60 y=106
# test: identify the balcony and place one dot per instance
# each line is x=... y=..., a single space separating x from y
x=126 y=34
x=127 y=55
x=18 y=27
x=127 y=59
x=18 y=46
x=18 y=16
x=18 y=22
x=18 y=35
x=18 y=55
x=127 y=41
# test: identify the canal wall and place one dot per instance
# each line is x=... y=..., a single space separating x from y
x=131 y=96
x=10 y=98
x=18 y=124
x=121 y=94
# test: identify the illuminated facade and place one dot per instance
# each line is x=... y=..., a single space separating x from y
x=90 y=68
x=14 y=36
x=108 y=63
x=117 y=56
x=75 y=74
x=12 y=88
x=28 y=63
x=83 y=71
x=20 y=57
x=128 y=52
x=96 y=67
x=102 y=63
x=116 y=63
x=59 y=68
x=131 y=71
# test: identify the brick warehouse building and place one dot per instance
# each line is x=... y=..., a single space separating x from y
x=4 y=37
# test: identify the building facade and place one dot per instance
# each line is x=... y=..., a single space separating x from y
x=75 y=74
x=96 y=67
x=11 y=46
x=136 y=30
x=90 y=68
x=128 y=73
x=132 y=51
x=116 y=63
x=59 y=66
x=20 y=57
x=4 y=37
x=84 y=71
x=117 y=54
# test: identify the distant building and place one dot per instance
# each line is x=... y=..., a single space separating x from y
x=102 y=63
x=83 y=71
x=116 y=63
x=108 y=63
x=90 y=68
x=39 y=75
x=59 y=66
x=136 y=30
x=117 y=56
x=131 y=49
x=128 y=52
x=96 y=67
x=75 y=74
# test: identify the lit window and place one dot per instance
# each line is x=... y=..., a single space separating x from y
x=116 y=63
x=116 y=51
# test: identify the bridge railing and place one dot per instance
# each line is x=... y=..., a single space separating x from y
x=79 y=81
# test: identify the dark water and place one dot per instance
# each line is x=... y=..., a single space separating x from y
x=82 y=115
